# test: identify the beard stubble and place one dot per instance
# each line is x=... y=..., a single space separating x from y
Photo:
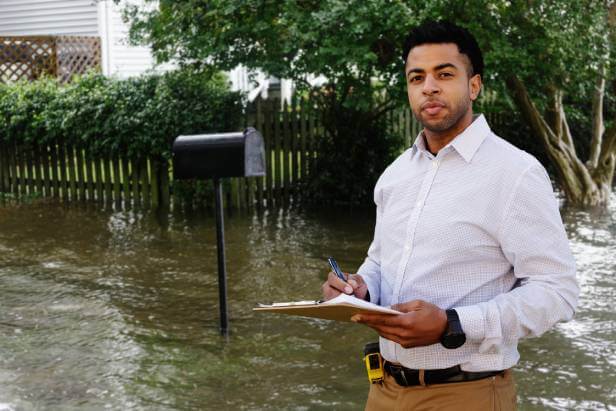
x=450 y=120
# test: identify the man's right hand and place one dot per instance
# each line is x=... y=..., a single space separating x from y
x=334 y=286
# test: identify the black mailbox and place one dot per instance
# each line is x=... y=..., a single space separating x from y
x=219 y=155
x=216 y=156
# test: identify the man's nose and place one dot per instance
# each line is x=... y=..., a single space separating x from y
x=430 y=86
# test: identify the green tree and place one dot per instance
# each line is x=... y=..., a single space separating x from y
x=548 y=58
x=555 y=58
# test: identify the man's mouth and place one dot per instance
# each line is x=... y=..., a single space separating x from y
x=432 y=107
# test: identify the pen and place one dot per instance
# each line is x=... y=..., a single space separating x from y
x=334 y=265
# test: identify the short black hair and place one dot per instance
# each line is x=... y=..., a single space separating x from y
x=443 y=31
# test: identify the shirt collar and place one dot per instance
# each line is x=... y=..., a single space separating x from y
x=466 y=143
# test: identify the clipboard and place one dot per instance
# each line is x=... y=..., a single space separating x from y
x=340 y=308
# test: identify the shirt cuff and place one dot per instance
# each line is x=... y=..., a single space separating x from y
x=373 y=290
x=472 y=321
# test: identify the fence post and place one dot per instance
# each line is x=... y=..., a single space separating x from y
x=134 y=173
x=268 y=139
x=98 y=176
x=155 y=184
x=106 y=161
x=81 y=183
x=293 y=147
x=89 y=165
x=286 y=118
x=260 y=124
x=2 y=170
x=30 y=169
x=277 y=162
x=63 y=171
x=165 y=189
x=145 y=182
x=21 y=169
x=13 y=167
x=72 y=175
x=304 y=136
x=117 y=180
x=125 y=181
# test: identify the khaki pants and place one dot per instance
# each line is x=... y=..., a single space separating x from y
x=489 y=394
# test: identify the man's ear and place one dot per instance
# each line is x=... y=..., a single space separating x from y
x=475 y=86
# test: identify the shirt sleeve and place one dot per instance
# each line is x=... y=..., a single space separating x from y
x=370 y=270
x=534 y=241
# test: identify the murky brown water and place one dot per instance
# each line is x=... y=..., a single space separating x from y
x=118 y=310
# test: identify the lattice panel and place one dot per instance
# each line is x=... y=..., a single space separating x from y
x=77 y=55
x=30 y=57
x=26 y=57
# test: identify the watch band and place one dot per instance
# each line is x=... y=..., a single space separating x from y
x=454 y=336
x=453 y=320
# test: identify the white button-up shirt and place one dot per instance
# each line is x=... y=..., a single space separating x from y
x=475 y=228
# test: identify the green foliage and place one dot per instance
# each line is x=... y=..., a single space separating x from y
x=356 y=45
x=345 y=41
x=351 y=157
x=549 y=42
x=22 y=110
x=351 y=43
x=136 y=117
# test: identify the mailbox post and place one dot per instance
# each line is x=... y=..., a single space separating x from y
x=217 y=156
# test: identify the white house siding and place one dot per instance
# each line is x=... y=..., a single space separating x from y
x=119 y=58
x=104 y=18
x=48 y=17
x=79 y=18
x=257 y=84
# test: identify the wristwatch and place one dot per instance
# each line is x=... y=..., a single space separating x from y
x=453 y=337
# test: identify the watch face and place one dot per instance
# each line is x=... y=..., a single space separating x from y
x=453 y=340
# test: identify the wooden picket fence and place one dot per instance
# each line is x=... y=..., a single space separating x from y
x=290 y=137
x=65 y=172
x=68 y=173
x=291 y=134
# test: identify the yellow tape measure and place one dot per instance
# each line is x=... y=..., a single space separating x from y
x=374 y=363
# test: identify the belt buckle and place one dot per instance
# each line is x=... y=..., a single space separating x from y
x=403 y=374
x=396 y=371
x=399 y=374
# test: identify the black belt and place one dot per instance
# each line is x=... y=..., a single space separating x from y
x=407 y=377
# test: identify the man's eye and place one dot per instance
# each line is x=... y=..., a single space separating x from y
x=445 y=75
x=414 y=79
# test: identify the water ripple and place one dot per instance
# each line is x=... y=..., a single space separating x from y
x=119 y=310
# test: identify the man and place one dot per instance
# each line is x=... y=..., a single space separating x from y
x=468 y=245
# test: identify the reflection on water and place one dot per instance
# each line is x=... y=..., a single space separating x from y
x=102 y=310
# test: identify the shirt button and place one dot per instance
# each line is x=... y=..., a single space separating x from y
x=435 y=164
x=407 y=247
x=419 y=204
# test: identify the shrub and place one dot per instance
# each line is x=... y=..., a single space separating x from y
x=136 y=117
x=352 y=156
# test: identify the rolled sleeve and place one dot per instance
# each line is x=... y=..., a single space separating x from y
x=472 y=321
x=370 y=270
x=534 y=241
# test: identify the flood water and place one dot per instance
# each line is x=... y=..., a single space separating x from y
x=118 y=310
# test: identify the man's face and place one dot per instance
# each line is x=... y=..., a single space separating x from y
x=439 y=88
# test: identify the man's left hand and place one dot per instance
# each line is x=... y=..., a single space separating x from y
x=420 y=324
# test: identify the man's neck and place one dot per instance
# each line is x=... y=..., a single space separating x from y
x=423 y=135
x=436 y=140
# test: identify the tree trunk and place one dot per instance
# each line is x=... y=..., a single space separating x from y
x=583 y=184
x=597 y=120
